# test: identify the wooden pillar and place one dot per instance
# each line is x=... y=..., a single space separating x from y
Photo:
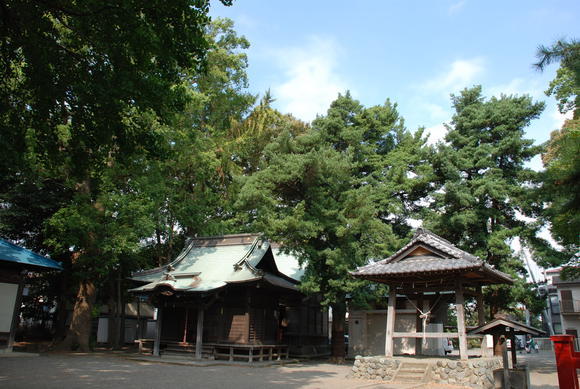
x=390 y=322
x=184 y=339
x=505 y=359
x=419 y=325
x=459 y=302
x=199 y=337
x=513 y=344
x=158 y=325
x=480 y=306
x=139 y=329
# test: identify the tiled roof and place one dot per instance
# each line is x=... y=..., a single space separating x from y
x=12 y=253
x=211 y=263
x=423 y=263
x=499 y=322
x=444 y=257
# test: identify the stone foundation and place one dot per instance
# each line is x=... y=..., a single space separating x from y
x=375 y=368
x=475 y=373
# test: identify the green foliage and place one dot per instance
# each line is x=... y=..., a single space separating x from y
x=571 y=269
x=566 y=86
x=560 y=190
x=323 y=195
x=87 y=90
x=483 y=185
x=561 y=185
x=561 y=178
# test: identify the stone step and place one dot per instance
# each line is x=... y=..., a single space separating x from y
x=412 y=371
x=417 y=365
x=417 y=379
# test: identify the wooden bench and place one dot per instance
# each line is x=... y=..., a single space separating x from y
x=251 y=352
x=143 y=345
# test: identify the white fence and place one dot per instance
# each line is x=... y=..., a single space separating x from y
x=546 y=344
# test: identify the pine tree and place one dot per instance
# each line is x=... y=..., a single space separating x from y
x=321 y=196
x=483 y=185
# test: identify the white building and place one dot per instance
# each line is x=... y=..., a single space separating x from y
x=567 y=293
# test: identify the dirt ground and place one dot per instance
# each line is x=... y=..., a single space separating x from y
x=108 y=370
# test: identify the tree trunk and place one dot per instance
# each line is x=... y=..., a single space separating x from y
x=62 y=304
x=120 y=312
x=113 y=335
x=337 y=343
x=79 y=332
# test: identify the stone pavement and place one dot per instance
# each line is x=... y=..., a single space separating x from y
x=543 y=372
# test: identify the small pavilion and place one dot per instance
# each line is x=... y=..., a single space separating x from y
x=15 y=263
x=431 y=264
x=503 y=326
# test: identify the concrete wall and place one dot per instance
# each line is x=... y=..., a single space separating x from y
x=367 y=332
x=8 y=296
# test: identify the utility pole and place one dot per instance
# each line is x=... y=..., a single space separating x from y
x=545 y=315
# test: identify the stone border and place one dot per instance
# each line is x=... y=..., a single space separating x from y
x=475 y=373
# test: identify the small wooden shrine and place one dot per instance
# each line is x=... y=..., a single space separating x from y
x=225 y=297
x=431 y=264
x=508 y=329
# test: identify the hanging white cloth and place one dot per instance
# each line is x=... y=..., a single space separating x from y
x=424 y=316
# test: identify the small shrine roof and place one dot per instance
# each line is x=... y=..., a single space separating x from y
x=501 y=324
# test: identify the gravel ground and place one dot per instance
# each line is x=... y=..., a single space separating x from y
x=58 y=371
x=106 y=370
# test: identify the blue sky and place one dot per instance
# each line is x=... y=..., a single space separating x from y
x=416 y=53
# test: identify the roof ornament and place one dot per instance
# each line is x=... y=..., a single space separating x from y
x=419 y=231
x=167 y=276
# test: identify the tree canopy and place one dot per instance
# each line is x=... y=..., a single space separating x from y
x=483 y=186
x=321 y=195
x=87 y=92
x=560 y=188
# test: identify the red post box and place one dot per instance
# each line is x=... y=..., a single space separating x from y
x=567 y=361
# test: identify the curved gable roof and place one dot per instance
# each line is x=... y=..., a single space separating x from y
x=211 y=263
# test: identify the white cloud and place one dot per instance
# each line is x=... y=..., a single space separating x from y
x=518 y=86
x=436 y=133
x=456 y=7
x=559 y=118
x=436 y=112
x=461 y=74
x=312 y=81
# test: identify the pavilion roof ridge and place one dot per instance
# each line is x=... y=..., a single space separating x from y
x=429 y=238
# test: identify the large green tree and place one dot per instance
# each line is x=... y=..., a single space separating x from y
x=560 y=188
x=482 y=186
x=320 y=195
x=87 y=90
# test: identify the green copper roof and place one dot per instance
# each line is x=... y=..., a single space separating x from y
x=12 y=253
x=211 y=263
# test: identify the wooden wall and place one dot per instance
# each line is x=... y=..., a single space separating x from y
x=247 y=315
